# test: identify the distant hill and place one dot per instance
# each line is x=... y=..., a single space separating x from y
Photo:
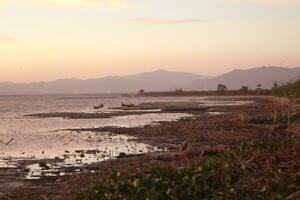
x=266 y=76
x=159 y=80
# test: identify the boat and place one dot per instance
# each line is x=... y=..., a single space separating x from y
x=128 y=105
x=98 y=106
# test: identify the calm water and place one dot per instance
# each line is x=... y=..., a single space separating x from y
x=34 y=138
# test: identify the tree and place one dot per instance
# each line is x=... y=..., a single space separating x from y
x=142 y=91
x=244 y=89
x=222 y=88
x=180 y=90
x=259 y=87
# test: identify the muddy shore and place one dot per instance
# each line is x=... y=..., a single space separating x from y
x=139 y=109
x=208 y=132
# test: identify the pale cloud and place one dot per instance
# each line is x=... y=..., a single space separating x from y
x=5 y=39
x=164 y=21
x=271 y=2
x=119 y=3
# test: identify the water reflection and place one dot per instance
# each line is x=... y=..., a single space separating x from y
x=109 y=146
x=37 y=142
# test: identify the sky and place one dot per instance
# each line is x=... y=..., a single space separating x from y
x=42 y=40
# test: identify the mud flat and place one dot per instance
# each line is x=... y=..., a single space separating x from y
x=82 y=115
x=186 y=141
x=140 y=109
x=166 y=106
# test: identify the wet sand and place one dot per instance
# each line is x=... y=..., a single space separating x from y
x=76 y=115
x=185 y=139
x=139 y=109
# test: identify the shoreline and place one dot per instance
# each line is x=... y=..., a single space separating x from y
x=208 y=132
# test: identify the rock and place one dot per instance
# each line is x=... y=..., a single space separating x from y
x=92 y=151
x=122 y=155
x=44 y=165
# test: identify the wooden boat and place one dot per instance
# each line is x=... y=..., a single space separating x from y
x=128 y=105
x=98 y=106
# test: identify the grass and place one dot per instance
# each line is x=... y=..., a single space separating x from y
x=246 y=171
x=289 y=90
x=281 y=119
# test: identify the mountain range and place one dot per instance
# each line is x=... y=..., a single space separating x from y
x=265 y=76
x=159 y=80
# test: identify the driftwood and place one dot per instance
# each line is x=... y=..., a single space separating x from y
x=10 y=141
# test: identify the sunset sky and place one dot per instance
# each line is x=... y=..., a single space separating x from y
x=43 y=40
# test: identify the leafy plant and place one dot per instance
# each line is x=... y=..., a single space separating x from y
x=243 y=172
x=281 y=119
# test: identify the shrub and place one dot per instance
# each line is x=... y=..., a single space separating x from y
x=289 y=90
x=239 y=173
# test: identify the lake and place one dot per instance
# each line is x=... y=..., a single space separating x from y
x=29 y=138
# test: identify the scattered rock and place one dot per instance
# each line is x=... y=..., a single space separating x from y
x=122 y=155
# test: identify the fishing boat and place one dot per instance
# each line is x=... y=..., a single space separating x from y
x=98 y=106
x=128 y=105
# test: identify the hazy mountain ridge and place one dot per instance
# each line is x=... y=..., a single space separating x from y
x=266 y=76
x=159 y=80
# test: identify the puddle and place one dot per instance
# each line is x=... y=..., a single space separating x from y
x=39 y=141
x=215 y=113
x=102 y=147
x=36 y=171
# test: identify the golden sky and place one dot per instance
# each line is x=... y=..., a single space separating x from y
x=43 y=40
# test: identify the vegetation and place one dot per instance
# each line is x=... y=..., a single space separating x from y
x=289 y=90
x=255 y=170
x=244 y=88
x=222 y=88
x=207 y=93
x=180 y=90
x=259 y=87
x=142 y=91
x=281 y=119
